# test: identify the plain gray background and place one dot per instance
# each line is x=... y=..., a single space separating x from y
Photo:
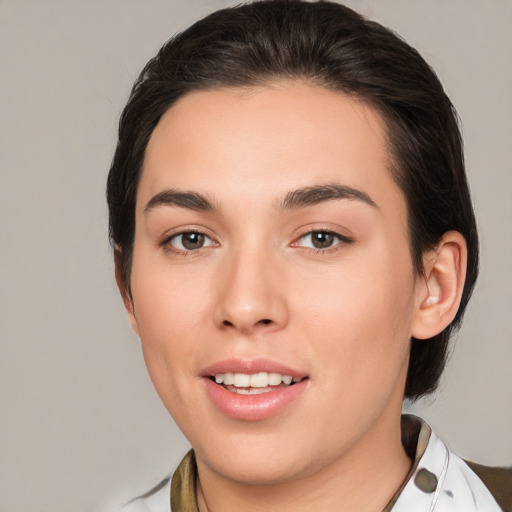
x=80 y=424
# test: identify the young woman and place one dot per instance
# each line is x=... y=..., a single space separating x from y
x=295 y=243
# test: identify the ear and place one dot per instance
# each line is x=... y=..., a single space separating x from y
x=124 y=288
x=438 y=295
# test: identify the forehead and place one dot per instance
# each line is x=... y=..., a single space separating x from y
x=264 y=141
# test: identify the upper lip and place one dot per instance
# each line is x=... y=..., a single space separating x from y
x=250 y=367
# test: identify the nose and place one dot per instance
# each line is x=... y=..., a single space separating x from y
x=251 y=294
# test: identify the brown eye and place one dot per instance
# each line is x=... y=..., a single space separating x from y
x=190 y=241
x=322 y=240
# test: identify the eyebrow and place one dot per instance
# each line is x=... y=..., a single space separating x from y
x=189 y=200
x=309 y=196
x=295 y=199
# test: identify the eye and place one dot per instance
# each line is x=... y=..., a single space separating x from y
x=189 y=241
x=322 y=239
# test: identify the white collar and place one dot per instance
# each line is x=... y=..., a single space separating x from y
x=440 y=481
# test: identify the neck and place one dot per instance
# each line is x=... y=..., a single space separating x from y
x=363 y=479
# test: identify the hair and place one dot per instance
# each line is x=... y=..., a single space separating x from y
x=329 y=45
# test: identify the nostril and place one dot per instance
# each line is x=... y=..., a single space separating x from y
x=230 y=324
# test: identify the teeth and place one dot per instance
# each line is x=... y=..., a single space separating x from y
x=259 y=380
x=242 y=391
x=256 y=380
x=242 y=380
x=274 y=379
x=249 y=391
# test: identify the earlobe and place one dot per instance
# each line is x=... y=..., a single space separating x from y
x=124 y=289
x=438 y=296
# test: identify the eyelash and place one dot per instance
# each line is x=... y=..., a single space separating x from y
x=166 y=243
x=341 y=240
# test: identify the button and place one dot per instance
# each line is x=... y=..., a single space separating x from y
x=425 y=480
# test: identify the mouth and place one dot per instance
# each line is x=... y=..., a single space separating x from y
x=255 y=383
x=253 y=390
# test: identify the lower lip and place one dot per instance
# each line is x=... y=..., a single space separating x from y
x=253 y=407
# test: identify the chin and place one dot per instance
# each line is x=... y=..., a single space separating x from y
x=260 y=459
x=258 y=471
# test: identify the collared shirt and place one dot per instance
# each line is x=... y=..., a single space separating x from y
x=439 y=481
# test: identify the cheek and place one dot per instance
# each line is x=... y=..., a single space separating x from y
x=168 y=323
x=169 y=309
x=361 y=313
x=168 y=298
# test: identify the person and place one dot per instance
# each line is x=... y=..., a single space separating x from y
x=295 y=243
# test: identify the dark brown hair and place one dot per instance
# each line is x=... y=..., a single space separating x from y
x=329 y=45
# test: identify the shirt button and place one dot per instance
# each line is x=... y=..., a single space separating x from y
x=425 y=480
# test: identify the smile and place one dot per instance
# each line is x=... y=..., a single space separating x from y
x=253 y=390
x=254 y=384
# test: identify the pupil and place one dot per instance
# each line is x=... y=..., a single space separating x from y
x=193 y=240
x=322 y=240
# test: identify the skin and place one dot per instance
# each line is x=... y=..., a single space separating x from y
x=343 y=315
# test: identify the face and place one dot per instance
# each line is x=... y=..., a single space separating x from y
x=271 y=246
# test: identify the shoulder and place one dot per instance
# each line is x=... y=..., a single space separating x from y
x=176 y=492
x=481 y=492
x=156 y=499
x=441 y=481
x=498 y=480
